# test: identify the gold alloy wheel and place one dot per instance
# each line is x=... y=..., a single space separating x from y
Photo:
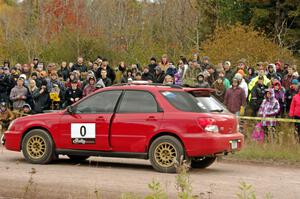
x=36 y=147
x=165 y=154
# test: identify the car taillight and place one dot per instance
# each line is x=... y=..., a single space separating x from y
x=208 y=125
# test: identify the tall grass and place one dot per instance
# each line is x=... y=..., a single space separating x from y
x=284 y=147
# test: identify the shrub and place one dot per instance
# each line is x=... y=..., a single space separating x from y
x=238 y=41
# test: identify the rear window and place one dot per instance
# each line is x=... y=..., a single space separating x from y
x=211 y=104
x=183 y=101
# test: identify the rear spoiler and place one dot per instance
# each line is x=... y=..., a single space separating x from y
x=200 y=92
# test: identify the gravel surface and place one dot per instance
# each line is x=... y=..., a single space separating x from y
x=110 y=177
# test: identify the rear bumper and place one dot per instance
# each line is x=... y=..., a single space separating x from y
x=12 y=140
x=205 y=144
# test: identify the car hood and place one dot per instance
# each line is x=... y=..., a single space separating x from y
x=41 y=116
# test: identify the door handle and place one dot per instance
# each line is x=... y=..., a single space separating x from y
x=151 y=118
x=100 y=119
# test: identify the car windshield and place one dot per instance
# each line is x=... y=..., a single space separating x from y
x=211 y=104
x=183 y=101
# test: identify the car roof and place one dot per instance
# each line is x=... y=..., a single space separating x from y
x=155 y=87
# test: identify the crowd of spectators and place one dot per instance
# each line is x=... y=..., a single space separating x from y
x=266 y=89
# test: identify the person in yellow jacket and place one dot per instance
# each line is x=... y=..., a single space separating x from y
x=254 y=81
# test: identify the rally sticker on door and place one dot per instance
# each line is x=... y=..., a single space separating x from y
x=83 y=133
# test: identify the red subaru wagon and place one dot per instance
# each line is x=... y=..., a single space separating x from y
x=155 y=122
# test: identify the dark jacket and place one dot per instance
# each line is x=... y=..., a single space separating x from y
x=5 y=87
x=41 y=101
x=257 y=96
x=147 y=76
x=110 y=73
x=212 y=78
x=229 y=74
x=81 y=68
x=64 y=73
x=152 y=68
x=159 y=78
x=70 y=93
x=107 y=81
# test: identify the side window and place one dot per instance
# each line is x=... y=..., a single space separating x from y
x=183 y=101
x=103 y=102
x=138 y=102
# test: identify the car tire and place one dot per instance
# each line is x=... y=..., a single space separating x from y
x=38 y=147
x=78 y=158
x=202 y=162
x=163 y=152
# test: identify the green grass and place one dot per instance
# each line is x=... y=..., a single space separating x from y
x=270 y=152
x=284 y=148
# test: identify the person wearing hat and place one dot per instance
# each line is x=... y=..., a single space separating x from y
x=73 y=94
x=229 y=72
x=242 y=83
x=272 y=73
x=152 y=65
x=90 y=87
x=235 y=97
x=26 y=110
x=54 y=80
x=4 y=85
x=147 y=76
x=269 y=108
x=242 y=64
x=85 y=82
x=171 y=70
x=6 y=116
x=190 y=78
x=257 y=95
x=205 y=63
x=18 y=94
x=72 y=76
x=202 y=83
x=6 y=70
x=291 y=92
x=279 y=93
x=253 y=82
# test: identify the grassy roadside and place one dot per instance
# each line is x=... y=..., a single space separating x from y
x=268 y=153
x=285 y=150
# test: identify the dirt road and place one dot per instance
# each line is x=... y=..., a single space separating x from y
x=109 y=178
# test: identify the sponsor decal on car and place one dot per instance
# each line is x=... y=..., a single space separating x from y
x=83 y=133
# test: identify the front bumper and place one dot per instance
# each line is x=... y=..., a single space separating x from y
x=211 y=144
x=12 y=140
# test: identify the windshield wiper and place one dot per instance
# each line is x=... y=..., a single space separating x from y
x=216 y=110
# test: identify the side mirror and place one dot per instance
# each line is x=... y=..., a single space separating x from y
x=70 y=110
